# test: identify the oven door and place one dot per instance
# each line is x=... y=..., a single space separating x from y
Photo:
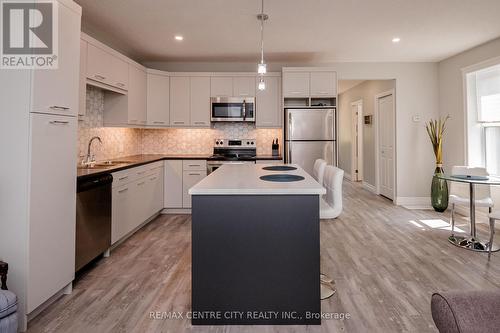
x=232 y=109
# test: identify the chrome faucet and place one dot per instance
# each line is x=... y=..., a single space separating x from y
x=90 y=158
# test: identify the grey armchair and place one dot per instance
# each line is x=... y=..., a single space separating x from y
x=8 y=304
x=464 y=312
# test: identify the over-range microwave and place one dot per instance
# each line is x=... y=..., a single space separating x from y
x=232 y=109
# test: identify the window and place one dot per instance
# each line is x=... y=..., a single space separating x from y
x=483 y=118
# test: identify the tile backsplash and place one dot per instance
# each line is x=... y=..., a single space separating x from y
x=118 y=142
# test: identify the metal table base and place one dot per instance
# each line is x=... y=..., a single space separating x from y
x=472 y=244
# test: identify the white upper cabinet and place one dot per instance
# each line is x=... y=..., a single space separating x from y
x=98 y=64
x=221 y=86
x=268 y=111
x=119 y=73
x=158 y=100
x=200 y=101
x=56 y=90
x=137 y=96
x=82 y=93
x=106 y=68
x=323 y=84
x=296 y=84
x=180 y=101
x=244 y=86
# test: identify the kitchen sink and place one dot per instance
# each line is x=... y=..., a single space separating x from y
x=282 y=177
x=105 y=164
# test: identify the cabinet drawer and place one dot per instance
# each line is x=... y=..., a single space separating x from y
x=194 y=165
x=122 y=177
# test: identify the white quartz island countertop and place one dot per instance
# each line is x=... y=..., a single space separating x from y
x=243 y=179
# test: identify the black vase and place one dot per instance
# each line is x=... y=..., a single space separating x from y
x=439 y=191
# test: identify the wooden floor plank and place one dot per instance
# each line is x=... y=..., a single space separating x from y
x=385 y=261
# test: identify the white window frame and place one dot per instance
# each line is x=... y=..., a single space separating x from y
x=465 y=71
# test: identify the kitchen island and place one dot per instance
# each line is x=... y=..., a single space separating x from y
x=255 y=248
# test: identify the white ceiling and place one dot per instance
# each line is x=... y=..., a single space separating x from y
x=297 y=30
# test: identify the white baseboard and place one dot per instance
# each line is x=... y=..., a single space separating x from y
x=176 y=211
x=414 y=202
x=369 y=187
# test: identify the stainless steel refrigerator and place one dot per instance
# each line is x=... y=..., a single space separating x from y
x=309 y=135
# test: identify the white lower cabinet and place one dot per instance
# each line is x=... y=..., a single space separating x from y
x=137 y=195
x=189 y=179
x=180 y=176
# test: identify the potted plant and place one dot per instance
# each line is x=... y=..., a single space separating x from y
x=439 y=188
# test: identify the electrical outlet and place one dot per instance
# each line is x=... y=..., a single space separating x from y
x=416 y=118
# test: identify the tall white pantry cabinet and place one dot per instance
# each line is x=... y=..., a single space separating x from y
x=38 y=136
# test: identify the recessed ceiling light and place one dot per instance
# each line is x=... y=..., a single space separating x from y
x=396 y=40
x=179 y=37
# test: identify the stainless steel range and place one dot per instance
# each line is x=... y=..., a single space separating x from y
x=232 y=151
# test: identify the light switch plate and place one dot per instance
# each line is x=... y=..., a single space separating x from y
x=416 y=118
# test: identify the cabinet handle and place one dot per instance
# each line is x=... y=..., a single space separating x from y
x=199 y=123
x=120 y=84
x=124 y=190
x=100 y=77
x=56 y=107
x=122 y=178
x=141 y=183
x=141 y=172
x=178 y=122
x=158 y=122
x=58 y=122
x=194 y=165
x=195 y=174
x=154 y=178
x=143 y=121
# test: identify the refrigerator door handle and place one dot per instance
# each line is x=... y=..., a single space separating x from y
x=290 y=152
x=290 y=126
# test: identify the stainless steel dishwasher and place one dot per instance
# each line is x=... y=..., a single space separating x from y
x=93 y=218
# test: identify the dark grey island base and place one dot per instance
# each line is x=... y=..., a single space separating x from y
x=255 y=259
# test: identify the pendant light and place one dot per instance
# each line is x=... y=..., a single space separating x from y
x=262 y=67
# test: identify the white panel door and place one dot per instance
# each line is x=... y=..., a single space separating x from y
x=323 y=84
x=268 y=111
x=200 y=101
x=55 y=91
x=180 y=101
x=173 y=184
x=386 y=145
x=158 y=100
x=221 y=86
x=244 y=86
x=296 y=84
x=51 y=261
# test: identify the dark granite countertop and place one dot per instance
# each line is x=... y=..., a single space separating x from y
x=137 y=160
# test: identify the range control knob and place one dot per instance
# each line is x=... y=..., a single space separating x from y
x=248 y=143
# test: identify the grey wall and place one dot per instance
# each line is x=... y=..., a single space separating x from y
x=366 y=92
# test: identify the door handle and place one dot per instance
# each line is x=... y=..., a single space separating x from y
x=289 y=152
x=58 y=122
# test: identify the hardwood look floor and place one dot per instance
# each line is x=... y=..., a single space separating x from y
x=386 y=261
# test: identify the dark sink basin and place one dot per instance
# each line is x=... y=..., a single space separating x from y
x=279 y=168
x=282 y=178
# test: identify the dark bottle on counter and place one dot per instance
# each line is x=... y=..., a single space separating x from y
x=276 y=147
